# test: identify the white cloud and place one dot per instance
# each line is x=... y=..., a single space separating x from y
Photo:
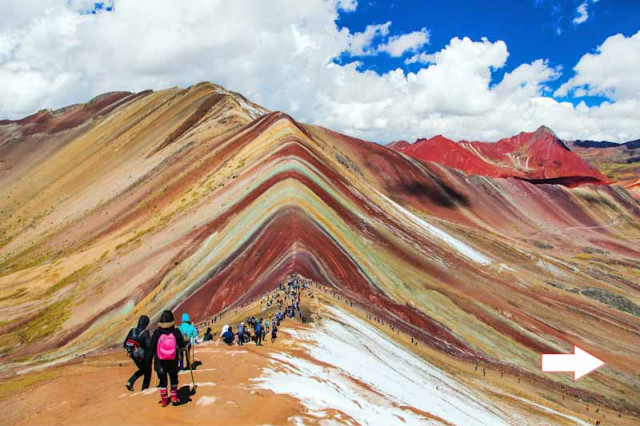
x=280 y=54
x=362 y=44
x=398 y=45
x=582 y=14
x=613 y=70
x=374 y=40
x=351 y=5
x=421 y=58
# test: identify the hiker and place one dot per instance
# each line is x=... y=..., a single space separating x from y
x=138 y=346
x=190 y=336
x=258 y=330
x=274 y=333
x=224 y=330
x=246 y=336
x=166 y=342
x=207 y=335
x=240 y=334
x=227 y=336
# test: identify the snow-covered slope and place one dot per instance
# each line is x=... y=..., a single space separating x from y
x=353 y=372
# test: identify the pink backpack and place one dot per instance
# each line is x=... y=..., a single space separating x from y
x=167 y=347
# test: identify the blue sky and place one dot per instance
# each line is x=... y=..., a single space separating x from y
x=531 y=28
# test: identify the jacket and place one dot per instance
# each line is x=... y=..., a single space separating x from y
x=189 y=332
x=145 y=342
x=159 y=364
x=228 y=337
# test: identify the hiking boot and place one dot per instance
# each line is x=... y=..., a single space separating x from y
x=174 y=395
x=129 y=386
x=164 y=398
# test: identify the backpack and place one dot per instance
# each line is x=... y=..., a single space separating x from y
x=133 y=344
x=167 y=347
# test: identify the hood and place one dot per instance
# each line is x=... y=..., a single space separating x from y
x=143 y=322
x=185 y=317
x=169 y=324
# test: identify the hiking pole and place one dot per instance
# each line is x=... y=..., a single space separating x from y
x=193 y=381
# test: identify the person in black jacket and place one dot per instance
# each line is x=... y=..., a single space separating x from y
x=164 y=367
x=207 y=335
x=138 y=346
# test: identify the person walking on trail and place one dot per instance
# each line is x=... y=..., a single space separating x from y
x=138 y=346
x=166 y=342
x=240 y=334
x=190 y=336
x=258 y=330
x=274 y=333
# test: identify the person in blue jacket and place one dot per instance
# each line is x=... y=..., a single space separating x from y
x=190 y=336
x=258 y=329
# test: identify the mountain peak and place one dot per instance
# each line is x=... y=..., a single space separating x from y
x=545 y=130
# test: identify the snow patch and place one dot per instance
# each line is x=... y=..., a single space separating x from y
x=199 y=371
x=552 y=411
x=370 y=378
x=443 y=236
x=206 y=400
x=206 y=384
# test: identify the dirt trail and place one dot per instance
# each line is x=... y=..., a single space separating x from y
x=92 y=391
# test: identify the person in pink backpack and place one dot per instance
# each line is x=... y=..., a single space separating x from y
x=166 y=344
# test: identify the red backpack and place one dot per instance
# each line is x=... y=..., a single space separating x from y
x=167 y=347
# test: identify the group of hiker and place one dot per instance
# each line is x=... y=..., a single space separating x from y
x=168 y=349
x=165 y=350
x=243 y=334
x=286 y=299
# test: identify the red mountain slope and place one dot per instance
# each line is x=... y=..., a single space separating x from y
x=539 y=157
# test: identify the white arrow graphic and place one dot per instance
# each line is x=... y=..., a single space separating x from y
x=580 y=363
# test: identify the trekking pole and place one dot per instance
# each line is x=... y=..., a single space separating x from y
x=193 y=381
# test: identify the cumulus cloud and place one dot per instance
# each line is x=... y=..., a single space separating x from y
x=362 y=43
x=582 y=14
x=613 y=70
x=282 y=53
x=398 y=45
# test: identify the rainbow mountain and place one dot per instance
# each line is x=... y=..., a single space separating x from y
x=200 y=200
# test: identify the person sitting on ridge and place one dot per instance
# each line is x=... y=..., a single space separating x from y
x=227 y=336
x=207 y=335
